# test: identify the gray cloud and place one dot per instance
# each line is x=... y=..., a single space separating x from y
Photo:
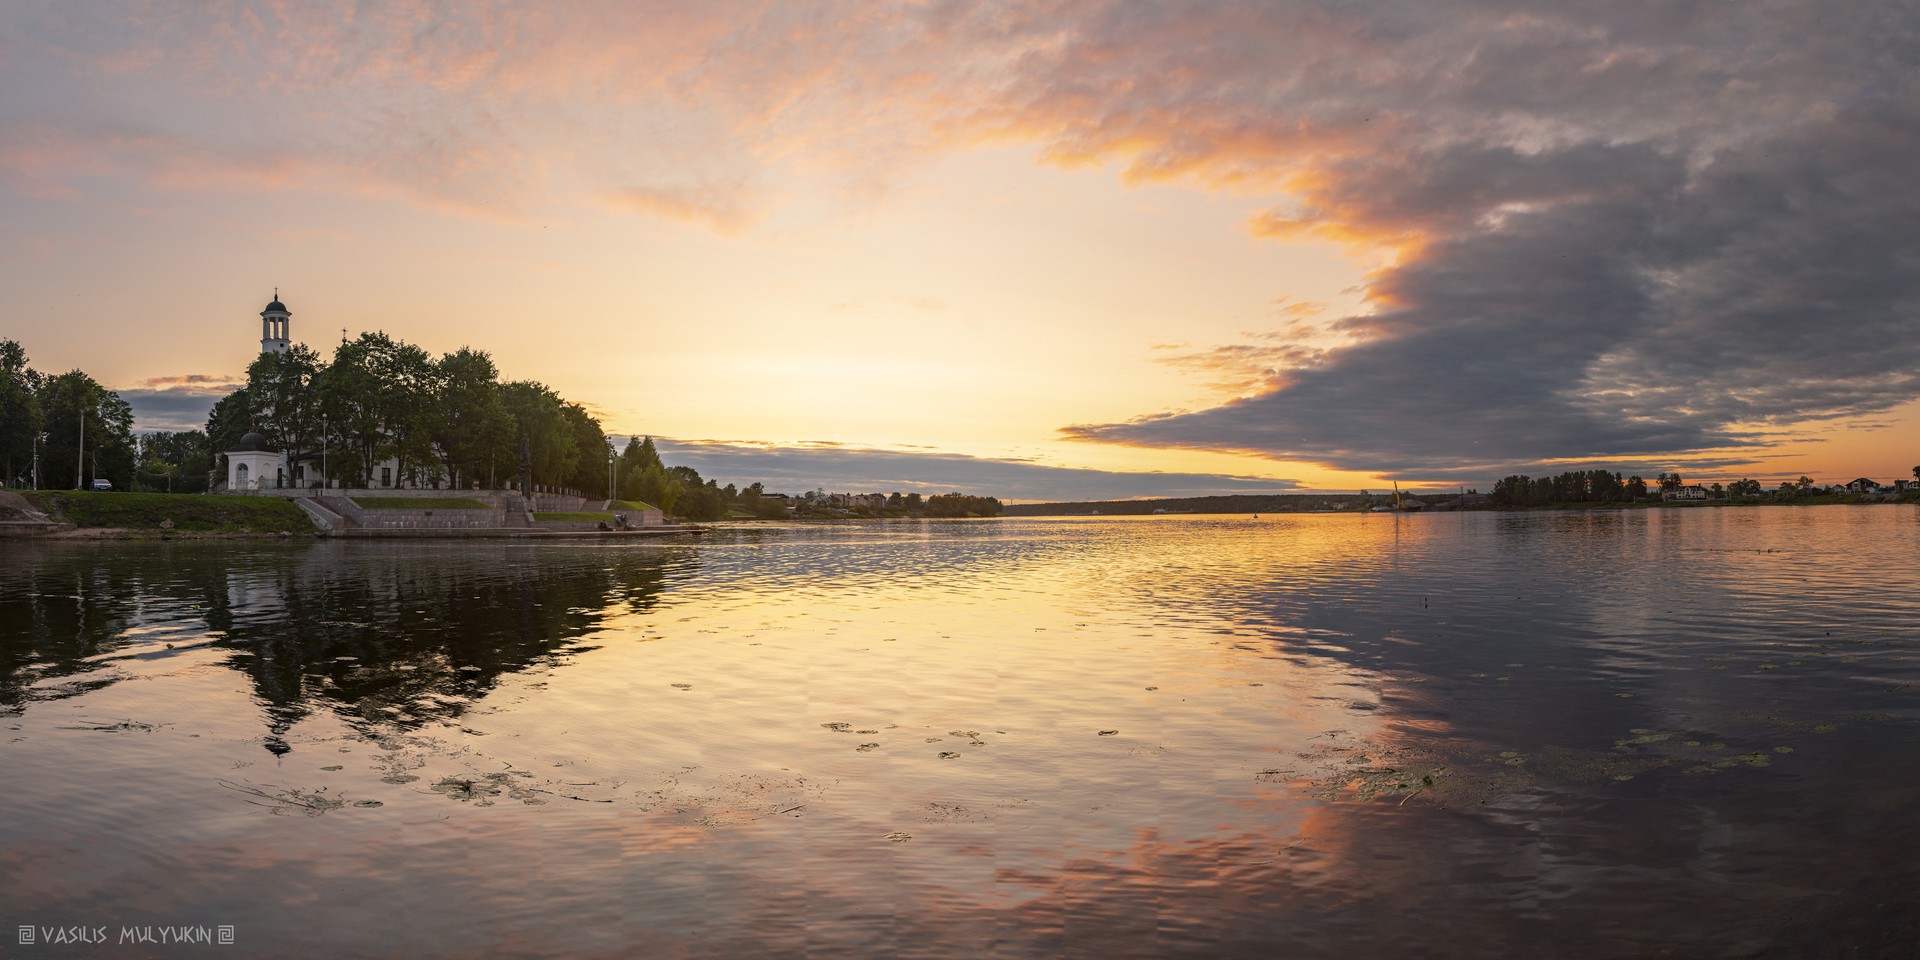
x=176 y=408
x=1629 y=232
x=795 y=469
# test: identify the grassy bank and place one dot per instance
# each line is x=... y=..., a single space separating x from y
x=184 y=512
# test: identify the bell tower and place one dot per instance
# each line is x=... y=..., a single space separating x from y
x=275 y=336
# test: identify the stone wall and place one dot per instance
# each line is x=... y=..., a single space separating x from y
x=439 y=518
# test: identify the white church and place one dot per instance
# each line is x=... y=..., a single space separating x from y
x=252 y=464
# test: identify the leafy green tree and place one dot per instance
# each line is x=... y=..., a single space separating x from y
x=654 y=485
x=962 y=505
x=73 y=405
x=406 y=381
x=21 y=418
x=470 y=426
x=695 y=500
x=538 y=414
x=591 y=453
x=227 y=422
x=349 y=390
x=284 y=404
x=175 y=462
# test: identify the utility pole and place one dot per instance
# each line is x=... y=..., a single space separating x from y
x=609 y=474
x=80 y=456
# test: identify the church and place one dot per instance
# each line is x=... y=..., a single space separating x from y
x=252 y=464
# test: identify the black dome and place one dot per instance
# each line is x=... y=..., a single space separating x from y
x=276 y=306
x=252 y=441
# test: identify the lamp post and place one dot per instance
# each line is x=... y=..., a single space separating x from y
x=324 y=479
x=80 y=456
x=609 y=476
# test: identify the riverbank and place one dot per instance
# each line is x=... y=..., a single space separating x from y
x=116 y=515
x=90 y=515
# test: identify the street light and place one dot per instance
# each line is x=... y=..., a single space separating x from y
x=609 y=476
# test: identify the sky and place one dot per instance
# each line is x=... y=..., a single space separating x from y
x=1056 y=250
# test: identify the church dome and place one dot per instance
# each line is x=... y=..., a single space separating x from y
x=276 y=307
x=251 y=442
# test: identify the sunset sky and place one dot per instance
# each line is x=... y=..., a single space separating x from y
x=1063 y=250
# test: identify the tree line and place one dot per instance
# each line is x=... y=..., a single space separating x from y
x=444 y=421
x=74 y=429
x=1600 y=486
x=447 y=421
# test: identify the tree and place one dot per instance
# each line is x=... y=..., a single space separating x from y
x=284 y=405
x=21 y=418
x=696 y=500
x=470 y=427
x=1636 y=488
x=538 y=414
x=591 y=453
x=72 y=403
x=654 y=486
x=175 y=462
x=405 y=378
x=349 y=390
x=962 y=505
x=227 y=422
x=1804 y=483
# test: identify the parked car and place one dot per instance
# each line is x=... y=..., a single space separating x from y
x=103 y=485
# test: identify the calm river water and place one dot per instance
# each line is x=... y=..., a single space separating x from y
x=1687 y=733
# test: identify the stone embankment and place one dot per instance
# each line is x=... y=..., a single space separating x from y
x=333 y=512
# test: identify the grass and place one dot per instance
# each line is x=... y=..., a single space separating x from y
x=576 y=515
x=630 y=505
x=421 y=503
x=192 y=512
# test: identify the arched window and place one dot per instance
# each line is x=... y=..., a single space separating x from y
x=240 y=477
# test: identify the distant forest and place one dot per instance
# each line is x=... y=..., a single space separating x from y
x=1236 y=503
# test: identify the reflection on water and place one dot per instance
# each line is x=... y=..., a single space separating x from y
x=1614 y=734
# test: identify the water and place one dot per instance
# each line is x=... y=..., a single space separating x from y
x=1683 y=733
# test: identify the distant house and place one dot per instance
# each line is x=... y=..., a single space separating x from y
x=1863 y=485
x=1689 y=492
